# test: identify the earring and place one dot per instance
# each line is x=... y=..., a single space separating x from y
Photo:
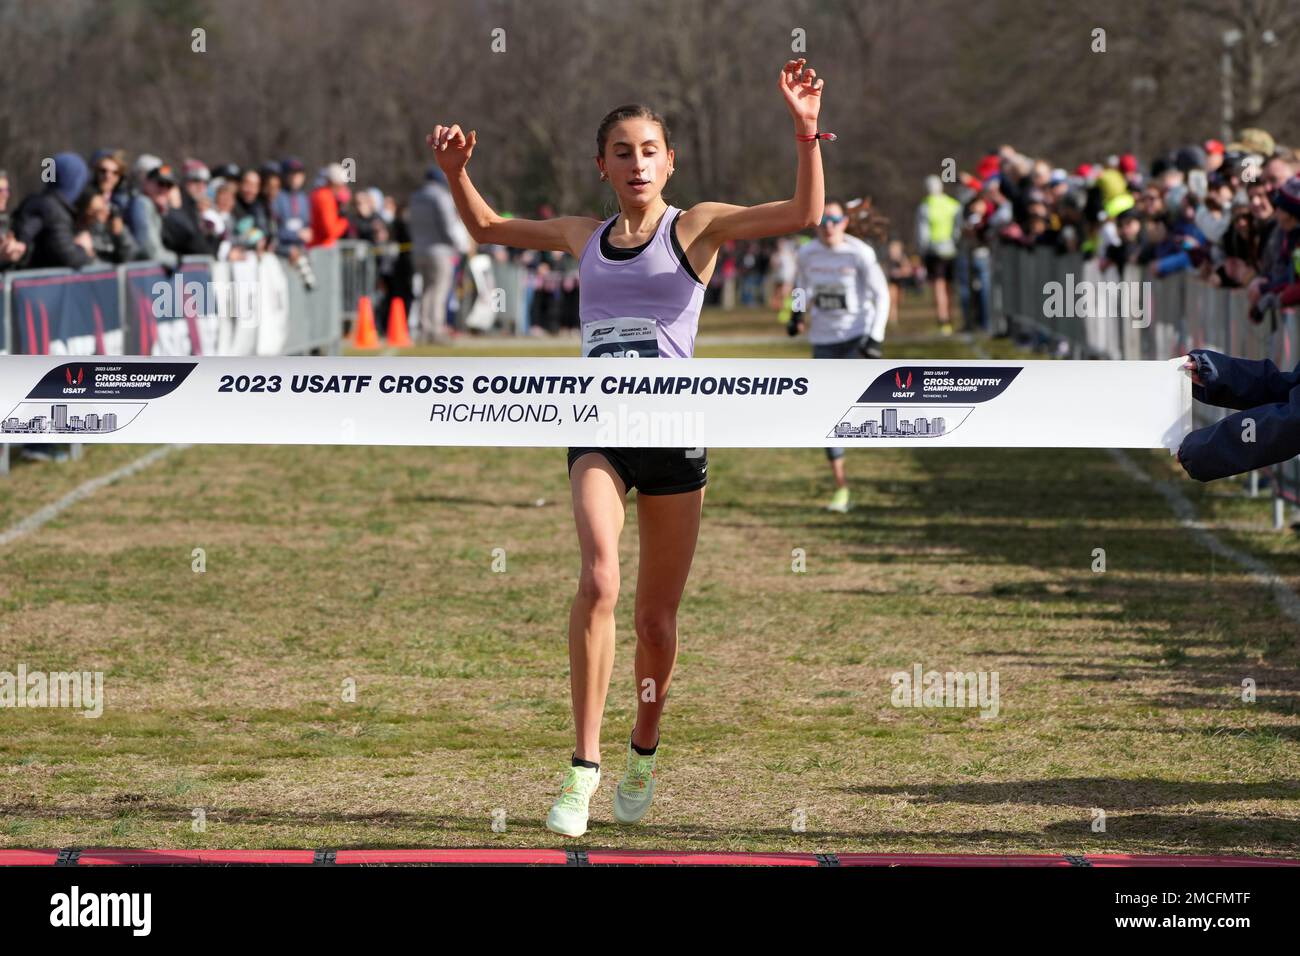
x=603 y=177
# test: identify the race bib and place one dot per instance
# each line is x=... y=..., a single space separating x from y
x=623 y=337
x=830 y=298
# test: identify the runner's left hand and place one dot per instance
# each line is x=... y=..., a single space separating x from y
x=802 y=91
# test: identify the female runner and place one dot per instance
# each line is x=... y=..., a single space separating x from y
x=642 y=275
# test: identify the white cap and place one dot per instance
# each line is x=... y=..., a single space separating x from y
x=145 y=163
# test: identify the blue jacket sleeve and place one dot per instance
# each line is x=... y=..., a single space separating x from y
x=1222 y=449
x=1178 y=262
x=1240 y=383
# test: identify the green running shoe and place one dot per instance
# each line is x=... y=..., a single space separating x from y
x=637 y=788
x=568 y=816
x=839 y=501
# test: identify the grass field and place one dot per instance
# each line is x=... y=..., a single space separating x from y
x=1119 y=690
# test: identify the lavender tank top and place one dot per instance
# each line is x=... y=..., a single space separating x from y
x=648 y=305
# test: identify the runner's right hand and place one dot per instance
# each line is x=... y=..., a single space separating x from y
x=451 y=148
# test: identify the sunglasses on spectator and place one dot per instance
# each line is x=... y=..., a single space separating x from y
x=105 y=170
x=831 y=220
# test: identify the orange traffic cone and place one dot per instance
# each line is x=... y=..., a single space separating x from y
x=365 y=337
x=399 y=336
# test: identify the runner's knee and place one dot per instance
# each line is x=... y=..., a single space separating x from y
x=656 y=629
x=598 y=585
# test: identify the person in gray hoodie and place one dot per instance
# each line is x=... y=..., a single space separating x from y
x=437 y=235
x=158 y=196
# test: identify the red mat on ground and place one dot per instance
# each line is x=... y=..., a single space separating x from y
x=1120 y=859
x=696 y=858
x=515 y=857
x=949 y=859
x=109 y=857
x=577 y=856
x=28 y=857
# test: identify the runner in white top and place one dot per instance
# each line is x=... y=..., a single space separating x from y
x=845 y=294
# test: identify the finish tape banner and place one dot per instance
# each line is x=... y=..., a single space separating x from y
x=615 y=402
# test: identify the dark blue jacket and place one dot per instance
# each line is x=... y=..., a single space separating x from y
x=1268 y=397
x=46 y=221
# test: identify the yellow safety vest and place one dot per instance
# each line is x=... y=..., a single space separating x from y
x=941 y=214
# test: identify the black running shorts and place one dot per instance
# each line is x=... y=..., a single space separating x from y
x=654 y=471
x=937 y=267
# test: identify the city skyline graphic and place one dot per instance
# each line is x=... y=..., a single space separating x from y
x=64 y=418
x=858 y=422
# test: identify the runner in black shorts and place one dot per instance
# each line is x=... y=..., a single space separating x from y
x=643 y=273
x=654 y=471
x=937 y=267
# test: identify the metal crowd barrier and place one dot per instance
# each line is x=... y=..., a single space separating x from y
x=1184 y=313
x=510 y=284
x=358 y=274
x=319 y=328
x=515 y=284
x=311 y=319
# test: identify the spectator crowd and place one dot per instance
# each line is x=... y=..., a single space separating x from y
x=1229 y=213
x=109 y=211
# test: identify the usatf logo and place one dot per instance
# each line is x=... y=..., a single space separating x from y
x=904 y=388
x=81 y=374
x=605 y=331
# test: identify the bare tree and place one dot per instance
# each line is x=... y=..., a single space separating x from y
x=910 y=83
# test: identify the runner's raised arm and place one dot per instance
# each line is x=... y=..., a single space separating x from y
x=452 y=150
x=802 y=90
